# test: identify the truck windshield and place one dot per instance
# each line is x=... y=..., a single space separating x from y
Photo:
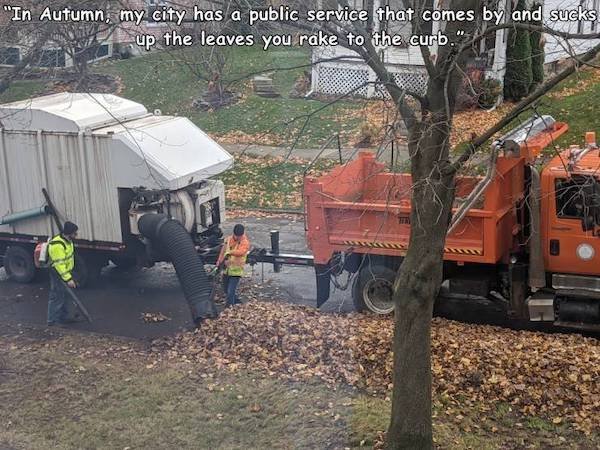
x=574 y=196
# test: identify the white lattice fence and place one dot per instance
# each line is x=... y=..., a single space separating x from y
x=341 y=81
x=414 y=81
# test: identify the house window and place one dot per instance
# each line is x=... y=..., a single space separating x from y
x=154 y=5
x=9 y=56
x=91 y=53
x=51 y=58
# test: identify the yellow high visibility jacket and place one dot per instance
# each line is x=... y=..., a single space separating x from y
x=62 y=256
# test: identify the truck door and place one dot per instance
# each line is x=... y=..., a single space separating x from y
x=572 y=241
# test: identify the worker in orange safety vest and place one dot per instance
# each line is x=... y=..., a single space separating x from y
x=233 y=259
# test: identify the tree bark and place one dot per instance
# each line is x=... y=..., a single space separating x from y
x=421 y=273
x=415 y=290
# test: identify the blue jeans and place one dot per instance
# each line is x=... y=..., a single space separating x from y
x=57 y=302
x=231 y=284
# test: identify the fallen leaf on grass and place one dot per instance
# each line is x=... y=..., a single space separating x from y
x=255 y=408
x=472 y=364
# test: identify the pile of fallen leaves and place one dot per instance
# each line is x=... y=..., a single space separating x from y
x=241 y=137
x=474 y=122
x=234 y=213
x=549 y=375
x=375 y=115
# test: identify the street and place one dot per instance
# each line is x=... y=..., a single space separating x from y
x=118 y=301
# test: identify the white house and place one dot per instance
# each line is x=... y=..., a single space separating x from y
x=110 y=41
x=557 y=48
x=349 y=74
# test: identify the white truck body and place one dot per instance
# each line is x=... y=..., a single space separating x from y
x=84 y=148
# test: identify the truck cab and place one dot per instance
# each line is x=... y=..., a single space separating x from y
x=570 y=211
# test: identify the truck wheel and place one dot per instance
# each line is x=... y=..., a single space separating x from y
x=87 y=270
x=19 y=265
x=373 y=289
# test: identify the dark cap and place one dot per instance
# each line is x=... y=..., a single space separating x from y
x=238 y=230
x=70 y=228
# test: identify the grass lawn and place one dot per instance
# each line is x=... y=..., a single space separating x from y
x=577 y=102
x=72 y=391
x=267 y=182
x=165 y=81
x=21 y=90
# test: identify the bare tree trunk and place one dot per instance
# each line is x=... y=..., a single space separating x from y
x=81 y=68
x=421 y=273
x=416 y=288
x=412 y=373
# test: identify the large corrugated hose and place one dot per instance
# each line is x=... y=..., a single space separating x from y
x=175 y=242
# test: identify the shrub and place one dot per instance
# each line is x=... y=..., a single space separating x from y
x=519 y=73
x=537 y=56
x=489 y=91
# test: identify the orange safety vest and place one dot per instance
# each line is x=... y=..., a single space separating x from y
x=237 y=253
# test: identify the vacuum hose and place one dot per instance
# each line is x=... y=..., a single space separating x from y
x=170 y=237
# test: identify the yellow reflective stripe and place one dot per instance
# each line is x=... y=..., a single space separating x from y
x=57 y=261
x=397 y=246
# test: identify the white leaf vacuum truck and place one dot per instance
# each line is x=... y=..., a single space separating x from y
x=137 y=184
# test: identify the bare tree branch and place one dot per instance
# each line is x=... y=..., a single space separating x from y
x=522 y=106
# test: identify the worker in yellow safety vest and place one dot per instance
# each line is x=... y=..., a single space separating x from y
x=232 y=260
x=61 y=254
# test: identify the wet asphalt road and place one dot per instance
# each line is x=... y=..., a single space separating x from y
x=119 y=300
x=121 y=297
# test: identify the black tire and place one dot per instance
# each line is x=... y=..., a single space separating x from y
x=87 y=270
x=19 y=265
x=372 y=289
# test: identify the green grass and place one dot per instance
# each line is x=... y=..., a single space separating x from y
x=166 y=81
x=265 y=182
x=580 y=111
x=20 y=90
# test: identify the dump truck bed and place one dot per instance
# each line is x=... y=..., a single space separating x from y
x=360 y=207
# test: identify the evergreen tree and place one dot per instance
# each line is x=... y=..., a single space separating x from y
x=537 y=55
x=519 y=73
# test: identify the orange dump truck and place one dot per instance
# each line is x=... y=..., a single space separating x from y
x=524 y=237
